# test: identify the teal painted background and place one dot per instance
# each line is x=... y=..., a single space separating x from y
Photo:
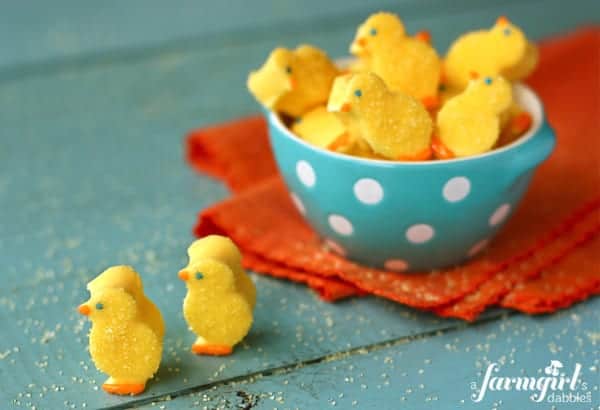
x=95 y=99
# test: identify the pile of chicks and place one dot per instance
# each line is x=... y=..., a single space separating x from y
x=398 y=100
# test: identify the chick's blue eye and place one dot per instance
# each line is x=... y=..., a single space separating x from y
x=507 y=32
x=358 y=93
x=373 y=32
x=487 y=80
x=288 y=69
x=99 y=306
x=199 y=275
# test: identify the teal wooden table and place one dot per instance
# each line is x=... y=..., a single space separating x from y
x=94 y=102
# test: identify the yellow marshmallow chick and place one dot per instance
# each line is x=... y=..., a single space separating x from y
x=406 y=64
x=127 y=278
x=221 y=296
x=293 y=81
x=469 y=123
x=525 y=66
x=394 y=125
x=502 y=50
x=325 y=129
x=319 y=127
x=121 y=345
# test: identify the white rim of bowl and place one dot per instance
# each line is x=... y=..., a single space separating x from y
x=523 y=95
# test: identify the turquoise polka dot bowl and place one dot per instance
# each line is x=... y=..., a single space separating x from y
x=411 y=216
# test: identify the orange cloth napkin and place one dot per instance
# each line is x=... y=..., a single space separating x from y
x=547 y=257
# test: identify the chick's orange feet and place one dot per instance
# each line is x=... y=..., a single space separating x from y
x=211 y=350
x=124 y=388
x=339 y=142
x=521 y=123
x=423 y=155
x=431 y=103
x=440 y=151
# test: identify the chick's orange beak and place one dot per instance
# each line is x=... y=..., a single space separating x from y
x=184 y=275
x=293 y=83
x=346 y=107
x=359 y=45
x=84 y=309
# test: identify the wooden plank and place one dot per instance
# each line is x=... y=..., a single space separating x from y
x=434 y=372
x=74 y=32
x=70 y=28
x=43 y=345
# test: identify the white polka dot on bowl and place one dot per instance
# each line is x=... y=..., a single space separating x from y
x=396 y=265
x=298 y=203
x=420 y=233
x=456 y=189
x=499 y=215
x=340 y=225
x=306 y=173
x=478 y=247
x=368 y=191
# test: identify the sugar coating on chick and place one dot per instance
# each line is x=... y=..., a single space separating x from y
x=501 y=50
x=126 y=277
x=293 y=81
x=220 y=295
x=469 y=123
x=319 y=127
x=406 y=64
x=525 y=66
x=394 y=125
x=120 y=343
x=222 y=248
